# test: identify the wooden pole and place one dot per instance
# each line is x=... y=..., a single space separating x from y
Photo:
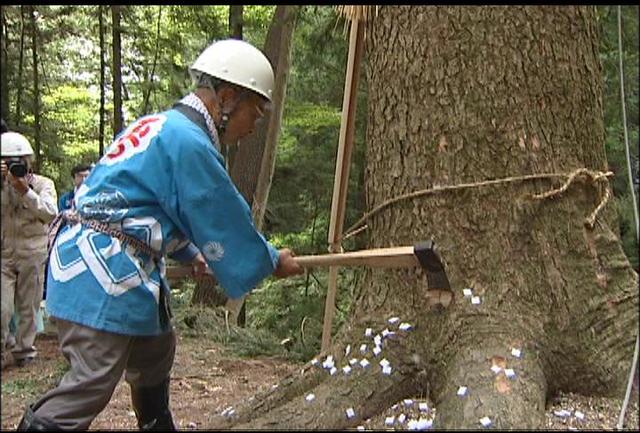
x=343 y=163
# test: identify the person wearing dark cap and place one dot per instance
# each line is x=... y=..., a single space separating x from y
x=79 y=173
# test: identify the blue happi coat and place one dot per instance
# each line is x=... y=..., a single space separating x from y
x=163 y=182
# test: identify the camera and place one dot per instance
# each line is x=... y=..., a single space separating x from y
x=17 y=167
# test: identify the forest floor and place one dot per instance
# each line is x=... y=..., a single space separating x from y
x=207 y=379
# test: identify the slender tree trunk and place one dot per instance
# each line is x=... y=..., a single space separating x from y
x=147 y=93
x=245 y=170
x=4 y=91
x=274 y=120
x=236 y=21
x=116 y=70
x=464 y=95
x=103 y=66
x=248 y=161
x=36 y=88
x=253 y=168
x=18 y=118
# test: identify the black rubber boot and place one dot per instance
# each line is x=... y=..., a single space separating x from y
x=151 y=405
x=31 y=422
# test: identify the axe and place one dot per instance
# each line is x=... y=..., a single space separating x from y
x=422 y=254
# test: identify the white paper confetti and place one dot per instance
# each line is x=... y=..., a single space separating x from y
x=364 y=362
x=310 y=397
x=578 y=414
x=377 y=340
x=328 y=363
x=424 y=407
x=467 y=292
x=363 y=348
x=562 y=413
x=350 y=413
x=462 y=391
x=485 y=421
x=353 y=361
x=346 y=369
x=496 y=369
x=333 y=371
x=404 y=326
x=384 y=362
x=475 y=300
x=509 y=373
x=368 y=332
x=401 y=418
x=227 y=410
x=420 y=424
x=347 y=350
x=516 y=352
x=386 y=333
x=377 y=350
x=360 y=428
x=425 y=423
x=393 y=320
x=389 y=420
x=407 y=402
x=386 y=370
x=314 y=361
x=192 y=425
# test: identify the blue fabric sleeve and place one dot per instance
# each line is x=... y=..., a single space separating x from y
x=210 y=211
x=185 y=254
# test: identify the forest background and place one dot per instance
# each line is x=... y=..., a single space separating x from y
x=58 y=63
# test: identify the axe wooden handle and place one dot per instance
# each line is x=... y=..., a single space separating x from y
x=396 y=257
x=178 y=272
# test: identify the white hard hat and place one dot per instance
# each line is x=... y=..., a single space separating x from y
x=237 y=62
x=14 y=144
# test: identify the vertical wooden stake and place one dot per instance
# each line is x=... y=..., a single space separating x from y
x=343 y=163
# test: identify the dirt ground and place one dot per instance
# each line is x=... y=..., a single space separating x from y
x=206 y=379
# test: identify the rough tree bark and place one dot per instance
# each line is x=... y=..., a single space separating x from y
x=463 y=95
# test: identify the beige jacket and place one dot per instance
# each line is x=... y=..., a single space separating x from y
x=25 y=219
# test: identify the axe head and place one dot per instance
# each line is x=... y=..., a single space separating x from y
x=430 y=261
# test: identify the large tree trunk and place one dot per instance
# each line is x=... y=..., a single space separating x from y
x=463 y=95
x=116 y=70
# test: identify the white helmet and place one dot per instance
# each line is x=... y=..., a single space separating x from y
x=14 y=144
x=237 y=62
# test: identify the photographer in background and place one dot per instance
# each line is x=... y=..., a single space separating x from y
x=28 y=205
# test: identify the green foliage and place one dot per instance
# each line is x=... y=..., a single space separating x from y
x=614 y=141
